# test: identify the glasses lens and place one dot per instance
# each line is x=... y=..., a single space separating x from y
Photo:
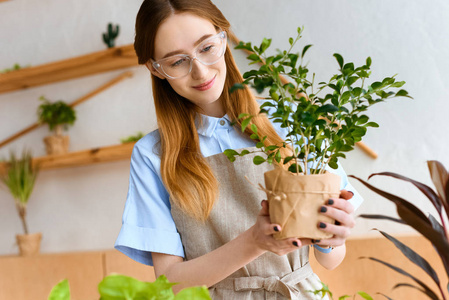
x=208 y=53
x=176 y=66
x=212 y=49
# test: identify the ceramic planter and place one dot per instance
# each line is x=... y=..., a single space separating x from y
x=29 y=244
x=295 y=201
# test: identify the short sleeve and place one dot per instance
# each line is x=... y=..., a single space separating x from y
x=147 y=223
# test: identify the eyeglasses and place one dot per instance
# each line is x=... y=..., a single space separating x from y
x=208 y=53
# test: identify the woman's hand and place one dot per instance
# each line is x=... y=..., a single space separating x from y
x=262 y=234
x=341 y=211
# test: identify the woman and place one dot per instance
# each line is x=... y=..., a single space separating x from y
x=188 y=211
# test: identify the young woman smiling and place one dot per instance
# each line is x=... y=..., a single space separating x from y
x=188 y=211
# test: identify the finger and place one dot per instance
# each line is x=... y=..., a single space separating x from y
x=338 y=232
x=264 y=211
x=341 y=217
x=344 y=194
x=341 y=204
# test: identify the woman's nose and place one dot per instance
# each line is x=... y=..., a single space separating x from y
x=199 y=70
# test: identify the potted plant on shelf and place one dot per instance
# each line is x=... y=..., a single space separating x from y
x=58 y=116
x=322 y=121
x=20 y=178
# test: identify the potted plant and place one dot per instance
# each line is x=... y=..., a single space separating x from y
x=20 y=177
x=322 y=121
x=58 y=116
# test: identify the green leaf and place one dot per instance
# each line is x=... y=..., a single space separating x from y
x=293 y=167
x=304 y=50
x=244 y=152
x=287 y=159
x=242 y=115
x=291 y=41
x=245 y=123
x=230 y=153
x=403 y=93
x=61 y=291
x=257 y=160
x=368 y=62
x=327 y=108
x=371 y=124
x=265 y=44
x=339 y=59
x=365 y=296
x=254 y=128
x=197 y=293
x=398 y=84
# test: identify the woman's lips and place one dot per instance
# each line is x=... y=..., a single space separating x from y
x=205 y=86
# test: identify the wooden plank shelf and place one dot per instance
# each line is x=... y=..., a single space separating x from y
x=81 y=158
x=94 y=63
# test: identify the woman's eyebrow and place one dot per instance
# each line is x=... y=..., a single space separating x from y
x=194 y=45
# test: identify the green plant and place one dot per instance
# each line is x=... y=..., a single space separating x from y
x=15 y=67
x=110 y=36
x=435 y=231
x=321 y=127
x=55 y=114
x=132 y=138
x=120 y=287
x=325 y=291
x=20 y=178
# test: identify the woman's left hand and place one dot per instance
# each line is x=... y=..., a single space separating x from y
x=341 y=211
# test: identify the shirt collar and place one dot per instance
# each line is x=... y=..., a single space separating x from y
x=209 y=124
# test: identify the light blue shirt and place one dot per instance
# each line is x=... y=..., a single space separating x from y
x=147 y=223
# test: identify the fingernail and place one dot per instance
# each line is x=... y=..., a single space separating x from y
x=330 y=201
x=276 y=228
x=295 y=243
x=323 y=209
x=322 y=225
x=316 y=241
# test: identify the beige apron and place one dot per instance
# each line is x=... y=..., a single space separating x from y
x=269 y=276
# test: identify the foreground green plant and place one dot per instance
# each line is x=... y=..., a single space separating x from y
x=323 y=120
x=120 y=287
x=324 y=291
x=434 y=231
x=20 y=178
x=57 y=115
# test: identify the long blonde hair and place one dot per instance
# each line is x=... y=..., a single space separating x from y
x=185 y=172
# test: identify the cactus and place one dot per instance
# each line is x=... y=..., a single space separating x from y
x=110 y=36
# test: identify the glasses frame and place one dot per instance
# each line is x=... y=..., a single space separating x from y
x=158 y=64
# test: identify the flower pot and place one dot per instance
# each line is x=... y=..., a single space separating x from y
x=295 y=201
x=57 y=144
x=29 y=244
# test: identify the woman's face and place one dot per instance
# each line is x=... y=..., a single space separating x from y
x=181 y=34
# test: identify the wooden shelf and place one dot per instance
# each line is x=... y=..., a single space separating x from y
x=94 y=63
x=81 y=158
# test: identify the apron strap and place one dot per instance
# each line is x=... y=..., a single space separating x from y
x=284 y=286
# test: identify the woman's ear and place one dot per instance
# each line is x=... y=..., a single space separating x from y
x=153 y=71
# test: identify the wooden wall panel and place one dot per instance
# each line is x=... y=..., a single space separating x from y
x=32 y=278
x=356 y=274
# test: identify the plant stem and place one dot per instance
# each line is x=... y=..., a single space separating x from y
x=22 y=214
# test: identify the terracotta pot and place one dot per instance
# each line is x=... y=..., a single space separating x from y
x=29 y=244
x=57 y=144
x=295 y=201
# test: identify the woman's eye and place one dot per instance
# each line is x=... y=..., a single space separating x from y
x=177 y=63
x=208 y=48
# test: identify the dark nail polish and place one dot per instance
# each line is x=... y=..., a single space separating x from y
x=295 y=243
x=316 y=241
x=330 y=201
x=276 y=229
x=322 y=225
x=323 y=209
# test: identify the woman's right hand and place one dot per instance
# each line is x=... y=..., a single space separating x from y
x=262 y=234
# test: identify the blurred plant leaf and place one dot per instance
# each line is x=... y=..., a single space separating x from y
x=413 y=257
x=425 y=290
x=426 y=190
x=61 y=291
x=440 y=179
x=381 y=217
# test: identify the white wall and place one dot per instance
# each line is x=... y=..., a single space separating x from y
x=80 y=208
